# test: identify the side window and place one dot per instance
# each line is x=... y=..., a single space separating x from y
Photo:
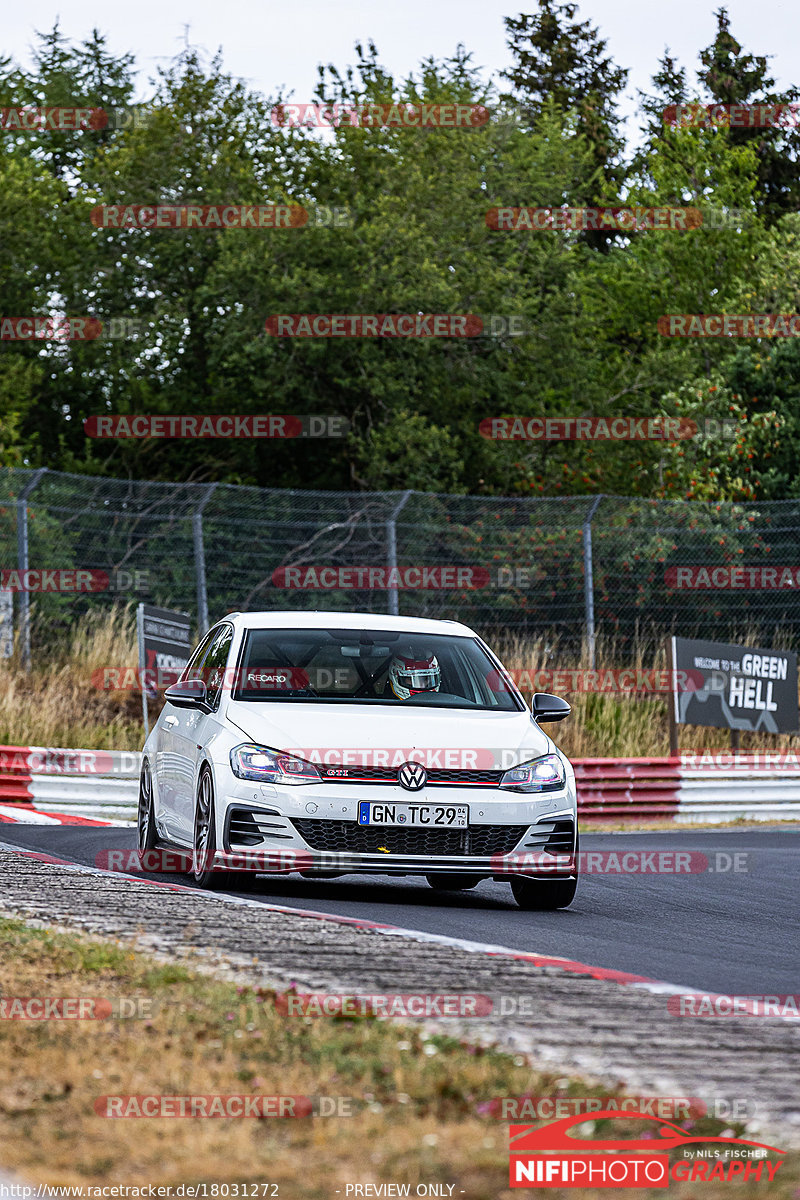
x=215 y=662
x=194 y=666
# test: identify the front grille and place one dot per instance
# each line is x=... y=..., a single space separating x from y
x=389 y=775
x=480 y=840
x=485 y=778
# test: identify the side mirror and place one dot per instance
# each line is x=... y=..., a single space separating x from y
x=546 y=707
x=192 y=693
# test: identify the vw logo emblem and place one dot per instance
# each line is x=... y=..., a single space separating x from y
x=412 y=777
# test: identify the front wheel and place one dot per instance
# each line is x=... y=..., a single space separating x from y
x=146 y=836
x=546 y=895
x=205 y=845
x=539 y=895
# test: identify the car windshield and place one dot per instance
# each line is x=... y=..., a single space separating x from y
x=374 y=667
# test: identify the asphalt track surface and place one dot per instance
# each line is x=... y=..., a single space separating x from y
x=725 y=930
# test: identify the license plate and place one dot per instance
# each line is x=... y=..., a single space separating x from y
x=435 y=816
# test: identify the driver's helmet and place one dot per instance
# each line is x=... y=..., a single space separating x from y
x=408 y=675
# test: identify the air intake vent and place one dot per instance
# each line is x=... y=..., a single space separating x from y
x=251 y=827
x=551 y=837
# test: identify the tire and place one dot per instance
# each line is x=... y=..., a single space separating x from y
x=452 y=883
x=146 y=836
x=535 y=895
x=546 y=895
x=204 y=845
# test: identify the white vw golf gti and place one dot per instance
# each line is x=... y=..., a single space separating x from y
x=334 y=743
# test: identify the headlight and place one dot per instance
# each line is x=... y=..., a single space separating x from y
x=539 y=775
x=271 y=766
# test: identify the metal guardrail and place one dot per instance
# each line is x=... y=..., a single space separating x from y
x=627 y=789
x=99 y=784
x=743 y=790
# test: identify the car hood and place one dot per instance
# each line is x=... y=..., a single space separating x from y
x=356 y=734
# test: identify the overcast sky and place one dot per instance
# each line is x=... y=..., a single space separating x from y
x=269 y=43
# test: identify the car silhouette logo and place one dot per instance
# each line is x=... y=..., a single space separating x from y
x=554 y=1137
x=412 y=777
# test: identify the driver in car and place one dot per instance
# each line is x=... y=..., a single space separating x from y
x=409 y=675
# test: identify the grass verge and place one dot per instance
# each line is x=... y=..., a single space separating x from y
x=421 y=1111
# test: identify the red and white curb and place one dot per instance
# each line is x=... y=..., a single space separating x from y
x=20 y=814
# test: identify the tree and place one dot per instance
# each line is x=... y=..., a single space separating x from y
x=728 y=75
x=565 y=61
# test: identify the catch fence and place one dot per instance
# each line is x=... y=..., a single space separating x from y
x=567 y=566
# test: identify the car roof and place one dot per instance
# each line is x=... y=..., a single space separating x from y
x=331 y=619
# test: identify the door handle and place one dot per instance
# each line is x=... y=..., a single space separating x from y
x=170 y=721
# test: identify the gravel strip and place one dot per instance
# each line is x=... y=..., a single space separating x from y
x=603 y=1031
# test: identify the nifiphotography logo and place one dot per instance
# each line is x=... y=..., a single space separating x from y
x=551 y=1157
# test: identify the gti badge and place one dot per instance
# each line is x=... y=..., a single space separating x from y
x=412 y=777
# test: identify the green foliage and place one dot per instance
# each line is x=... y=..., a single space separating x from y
x=416 y=241
x=557 y=59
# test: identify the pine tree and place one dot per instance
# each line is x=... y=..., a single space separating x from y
x=730 y=76
x=559 y=58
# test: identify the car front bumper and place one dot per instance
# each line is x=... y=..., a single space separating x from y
x=314 y=830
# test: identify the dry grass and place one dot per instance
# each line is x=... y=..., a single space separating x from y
x=608 y=725
x=59 y=704
x=416 y=1111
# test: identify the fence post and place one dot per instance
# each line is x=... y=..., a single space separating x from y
x=200 y=561
x=391 y=548
x=588 y=578
x=22 y=565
